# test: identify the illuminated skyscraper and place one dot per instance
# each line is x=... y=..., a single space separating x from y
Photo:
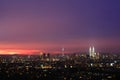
x=63 y=49
x=92 y=52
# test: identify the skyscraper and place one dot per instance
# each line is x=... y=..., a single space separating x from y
x=63 y=51
x=92 y=52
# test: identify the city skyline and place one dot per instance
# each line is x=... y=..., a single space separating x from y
x=49 y=25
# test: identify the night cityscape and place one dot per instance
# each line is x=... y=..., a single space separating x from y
x=59 y=39
x=75 y=66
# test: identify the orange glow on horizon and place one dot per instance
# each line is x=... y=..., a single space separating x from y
x=17 y=51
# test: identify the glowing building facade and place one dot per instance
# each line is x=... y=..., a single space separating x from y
x=63 y=49
x=92 y=53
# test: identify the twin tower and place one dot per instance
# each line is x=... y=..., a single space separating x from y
x=92 y=53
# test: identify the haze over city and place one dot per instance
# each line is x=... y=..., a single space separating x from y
x=28 y=26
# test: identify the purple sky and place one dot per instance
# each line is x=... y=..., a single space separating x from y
x=51 y=24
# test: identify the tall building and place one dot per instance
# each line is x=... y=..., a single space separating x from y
x=63 y=49
x=92 y=52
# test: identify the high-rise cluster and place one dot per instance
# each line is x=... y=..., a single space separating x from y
x=92 y=53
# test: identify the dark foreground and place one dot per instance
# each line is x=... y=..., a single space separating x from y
x=69 y=67
x=13 y=72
